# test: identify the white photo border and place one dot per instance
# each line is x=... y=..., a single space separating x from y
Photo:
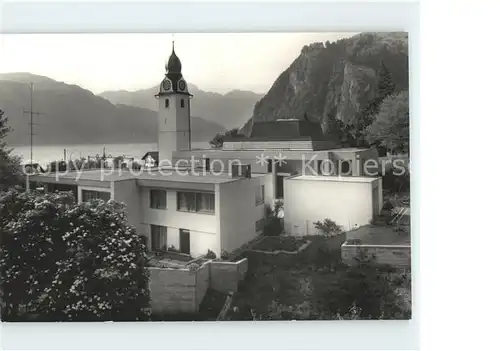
x=279 y=16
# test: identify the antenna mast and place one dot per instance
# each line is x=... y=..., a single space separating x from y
x=31 y=114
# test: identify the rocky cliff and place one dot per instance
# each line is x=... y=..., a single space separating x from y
x=334 y=80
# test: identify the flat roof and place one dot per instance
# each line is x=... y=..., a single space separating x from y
x=167 y=175
x=276 y=150
x=379 y=235
x=324 y=178
x=254 y=154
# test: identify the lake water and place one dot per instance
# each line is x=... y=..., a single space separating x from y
x=47 y=153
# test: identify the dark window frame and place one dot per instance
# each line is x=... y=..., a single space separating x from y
x=95 y=195
x=194 y=207
x=157 y=232
x=153 y=203
x=262 y=196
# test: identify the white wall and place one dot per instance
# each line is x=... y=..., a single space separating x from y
x=268 y=183
x=238 y=212
x=202 y=227
x=127 y=192
x=308 y=201
x=173 y=125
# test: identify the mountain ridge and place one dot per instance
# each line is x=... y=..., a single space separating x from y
x=70 y=114
x=230 y=110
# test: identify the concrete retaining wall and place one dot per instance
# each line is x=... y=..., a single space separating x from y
x=202 y=283
x=225 y=276
x=393 y=255
x=182 y=291
x=175 y=290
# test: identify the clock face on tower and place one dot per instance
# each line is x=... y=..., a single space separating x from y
x=167 y=85
x=182 y=85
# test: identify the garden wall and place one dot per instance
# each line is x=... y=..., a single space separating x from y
x=182 y=291
x=174 y=290
x=393 y=255
x=225 y=276
x=281 y=257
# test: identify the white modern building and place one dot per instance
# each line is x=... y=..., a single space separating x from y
x=350 y=201
x=211 y=204
x=186 y=210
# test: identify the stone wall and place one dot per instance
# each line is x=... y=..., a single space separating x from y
x=182 y=291
x=393 y=255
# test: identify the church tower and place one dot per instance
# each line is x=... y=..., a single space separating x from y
x=174 y=113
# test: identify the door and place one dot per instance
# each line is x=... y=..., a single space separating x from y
x=279 y=187
x=185 y=244
x=375 y=203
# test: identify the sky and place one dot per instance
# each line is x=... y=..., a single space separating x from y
x=213 y=62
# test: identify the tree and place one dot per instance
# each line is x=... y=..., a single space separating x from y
x=118 y=161
x=342 y=133
x=68 y=262
x=385 y=86
x=391 y=126
x=10 y=166
x=219 y=138
x=366 y=116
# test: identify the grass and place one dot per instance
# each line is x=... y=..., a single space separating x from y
x=279 y=243
x=210 y=308
x=380 y=235
x=311 y=288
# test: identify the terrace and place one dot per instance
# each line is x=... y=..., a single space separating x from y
x=173 y=259
x=379 y=235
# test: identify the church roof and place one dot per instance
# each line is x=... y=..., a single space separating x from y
x=174 y=63
x=173 y=81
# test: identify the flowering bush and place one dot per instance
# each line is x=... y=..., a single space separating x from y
x=70 y=262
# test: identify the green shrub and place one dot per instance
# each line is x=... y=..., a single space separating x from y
x=328 y=228
x=70 y=262
x=224 y=255
x=273 y=224
x=210 y=255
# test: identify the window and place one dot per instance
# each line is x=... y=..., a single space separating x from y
x=182 y=102
x=158 y=199
x=346 y=167
x=205 y=202
x=158 y=237
x=186 y=201
x=259 y=195
x=195 y=202
x=167 y=103
x=89 y=195
x=259 y=225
